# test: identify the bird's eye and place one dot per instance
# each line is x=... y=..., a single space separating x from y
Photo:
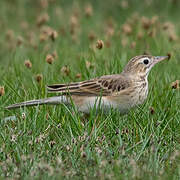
x=146 y=61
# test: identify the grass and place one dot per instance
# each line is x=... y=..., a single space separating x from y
x=57 y=142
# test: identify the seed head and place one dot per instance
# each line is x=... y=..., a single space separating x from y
x=31 y=38
x=124 y=42
x=175 y=84
x=170 y=29
x=65 y=70
x=133 y=45
x=43 y=37
x=44 y=4
x=169 y=55
x=173 y=36
x=152 y=111
x=91 y=36
x=42 y=19
x=117 y=131
x=20 y=40
x=124 y=4
x=23 y=116
x=146 y=23
x=168 y=26
x=99 y=44
x=28 y=64
x=152 y=33
x=83 y=154
x=110 y=31
x=14 y=138
x=127 y=29
x=53 y=35
x=73 y=21
x=9 y=34
x=154 y=19
x=89 y=65
x=39 y=78
x=46 y=30
x=2 y=91
x=88 y=10
x=52 y=143
x=68 y=148
x=49 y=59
x=140 y=35
x=78 y=75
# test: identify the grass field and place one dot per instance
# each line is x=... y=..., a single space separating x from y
x=50 y=41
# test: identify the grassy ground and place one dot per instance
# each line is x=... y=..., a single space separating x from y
x=56 y=142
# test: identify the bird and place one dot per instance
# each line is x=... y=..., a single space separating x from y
x=118 y=91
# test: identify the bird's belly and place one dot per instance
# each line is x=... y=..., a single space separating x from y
x=103 y=103
x=123 y=103
x=96 y=103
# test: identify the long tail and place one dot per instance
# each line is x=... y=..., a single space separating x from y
x=51 y=100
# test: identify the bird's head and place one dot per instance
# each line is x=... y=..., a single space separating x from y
x=141 y=65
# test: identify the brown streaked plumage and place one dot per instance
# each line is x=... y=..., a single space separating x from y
x=122 y=91
x=105 y=85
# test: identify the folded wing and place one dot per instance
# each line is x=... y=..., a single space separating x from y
x=104 y=86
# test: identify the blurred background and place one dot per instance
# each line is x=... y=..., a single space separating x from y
x=135 y=24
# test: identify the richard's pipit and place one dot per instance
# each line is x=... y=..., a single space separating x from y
x=122 y=91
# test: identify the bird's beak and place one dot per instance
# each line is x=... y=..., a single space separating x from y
x=159 y=58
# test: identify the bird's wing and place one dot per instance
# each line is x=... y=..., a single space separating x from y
x=104 y=86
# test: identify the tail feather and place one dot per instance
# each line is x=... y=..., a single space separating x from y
x=51 y=100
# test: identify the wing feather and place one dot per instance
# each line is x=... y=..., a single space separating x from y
x=105 y=86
